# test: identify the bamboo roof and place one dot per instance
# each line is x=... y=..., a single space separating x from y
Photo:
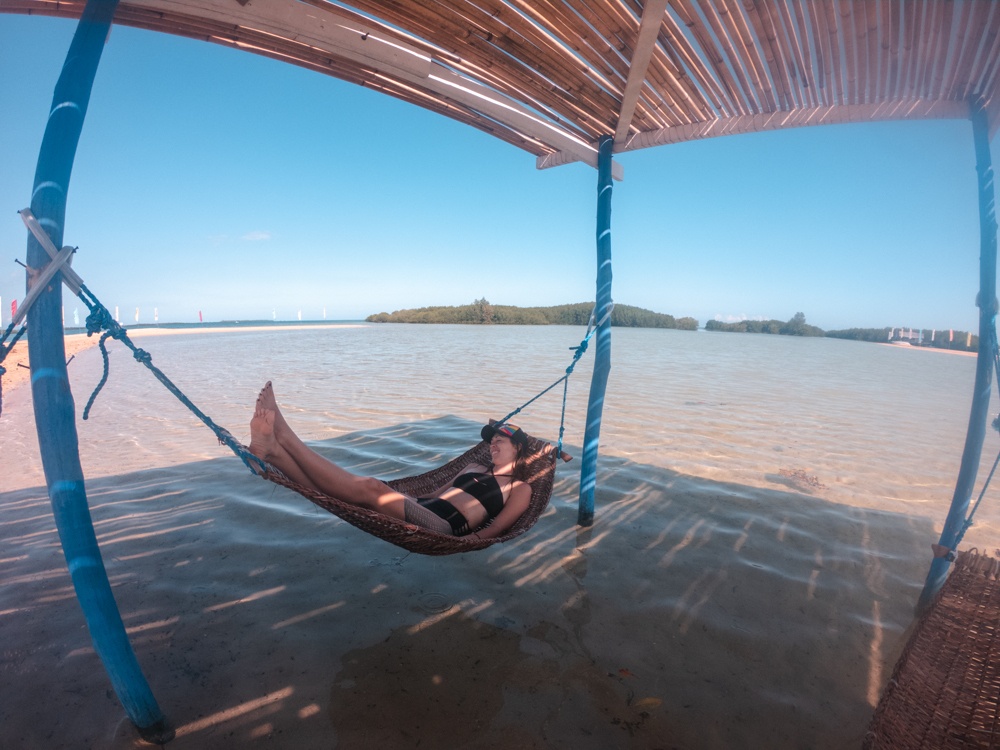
x=553 y=76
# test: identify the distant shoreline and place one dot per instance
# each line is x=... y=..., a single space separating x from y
x=902 y=345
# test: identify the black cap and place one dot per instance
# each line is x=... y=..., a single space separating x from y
x=512 y=431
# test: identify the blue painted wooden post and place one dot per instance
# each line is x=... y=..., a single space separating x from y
x=55 y=416
x=602 y=356
x=953 y=525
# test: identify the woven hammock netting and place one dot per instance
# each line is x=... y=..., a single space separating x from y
x=539 y=466
x=945 y=690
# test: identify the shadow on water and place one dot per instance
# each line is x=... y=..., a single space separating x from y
x=693 y=614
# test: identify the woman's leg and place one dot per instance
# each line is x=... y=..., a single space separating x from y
x=274 y=441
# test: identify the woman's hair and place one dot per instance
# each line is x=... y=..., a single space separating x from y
x=520 y=473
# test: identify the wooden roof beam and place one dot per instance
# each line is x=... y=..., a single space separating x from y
x=559 y=158
x=824 y=115
x=649 y=29
x=510 y=113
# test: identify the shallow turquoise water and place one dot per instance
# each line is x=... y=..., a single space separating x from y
x=861 y=424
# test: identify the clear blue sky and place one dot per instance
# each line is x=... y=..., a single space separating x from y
x=216 y=180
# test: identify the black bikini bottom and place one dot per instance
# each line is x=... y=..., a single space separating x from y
x=447 y=511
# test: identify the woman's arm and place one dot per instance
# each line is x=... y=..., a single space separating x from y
x=516 y=505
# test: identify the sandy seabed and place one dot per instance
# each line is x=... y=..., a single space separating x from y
x=693 y=614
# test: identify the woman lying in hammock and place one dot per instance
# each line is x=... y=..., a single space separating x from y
x=478 y=494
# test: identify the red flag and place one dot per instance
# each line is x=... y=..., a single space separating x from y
x=13 y=308
x=199 y=317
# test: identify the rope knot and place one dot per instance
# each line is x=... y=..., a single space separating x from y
x=98 y=320
x=141 y=355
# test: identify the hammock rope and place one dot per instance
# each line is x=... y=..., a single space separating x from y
x=539 y=459
x=579 y=350
x=4 y=351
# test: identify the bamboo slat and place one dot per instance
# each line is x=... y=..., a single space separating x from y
x=445 y=30
x=928 y=42
x=942 y=40
x=667 y=74
x=920 y=19
x=716 y=56
x=521 y=62
x=870 y=75
x=715 y=66
x=985 y=83
x=874 y=51
x=982 y=30
x=891 y=28
x=753 y=60
x=848 y=24
x=702 y=79
x=579 y=96
x=544 y=31
x=829 y=22
x=798 y=37
x=912 y=18
x=732 y=47
x=770 y=20
x=821 y=44
x=964 y=48
x=772 y=59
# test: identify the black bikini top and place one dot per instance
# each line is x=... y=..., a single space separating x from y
x=483 y=487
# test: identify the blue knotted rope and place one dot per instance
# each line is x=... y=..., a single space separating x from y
x=5 y=350
x=99 y=320
x=579 y=351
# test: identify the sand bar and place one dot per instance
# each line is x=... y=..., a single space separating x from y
x=16 y=362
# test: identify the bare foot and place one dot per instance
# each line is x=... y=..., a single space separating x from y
x=267 y=400
x=262 y=440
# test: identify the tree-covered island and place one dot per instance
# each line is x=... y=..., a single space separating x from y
x=481 y=312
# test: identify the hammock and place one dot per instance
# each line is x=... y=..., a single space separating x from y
x=945 y=689
x=540 y=459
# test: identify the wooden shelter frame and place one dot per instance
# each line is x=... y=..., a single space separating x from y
x=566 y=81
